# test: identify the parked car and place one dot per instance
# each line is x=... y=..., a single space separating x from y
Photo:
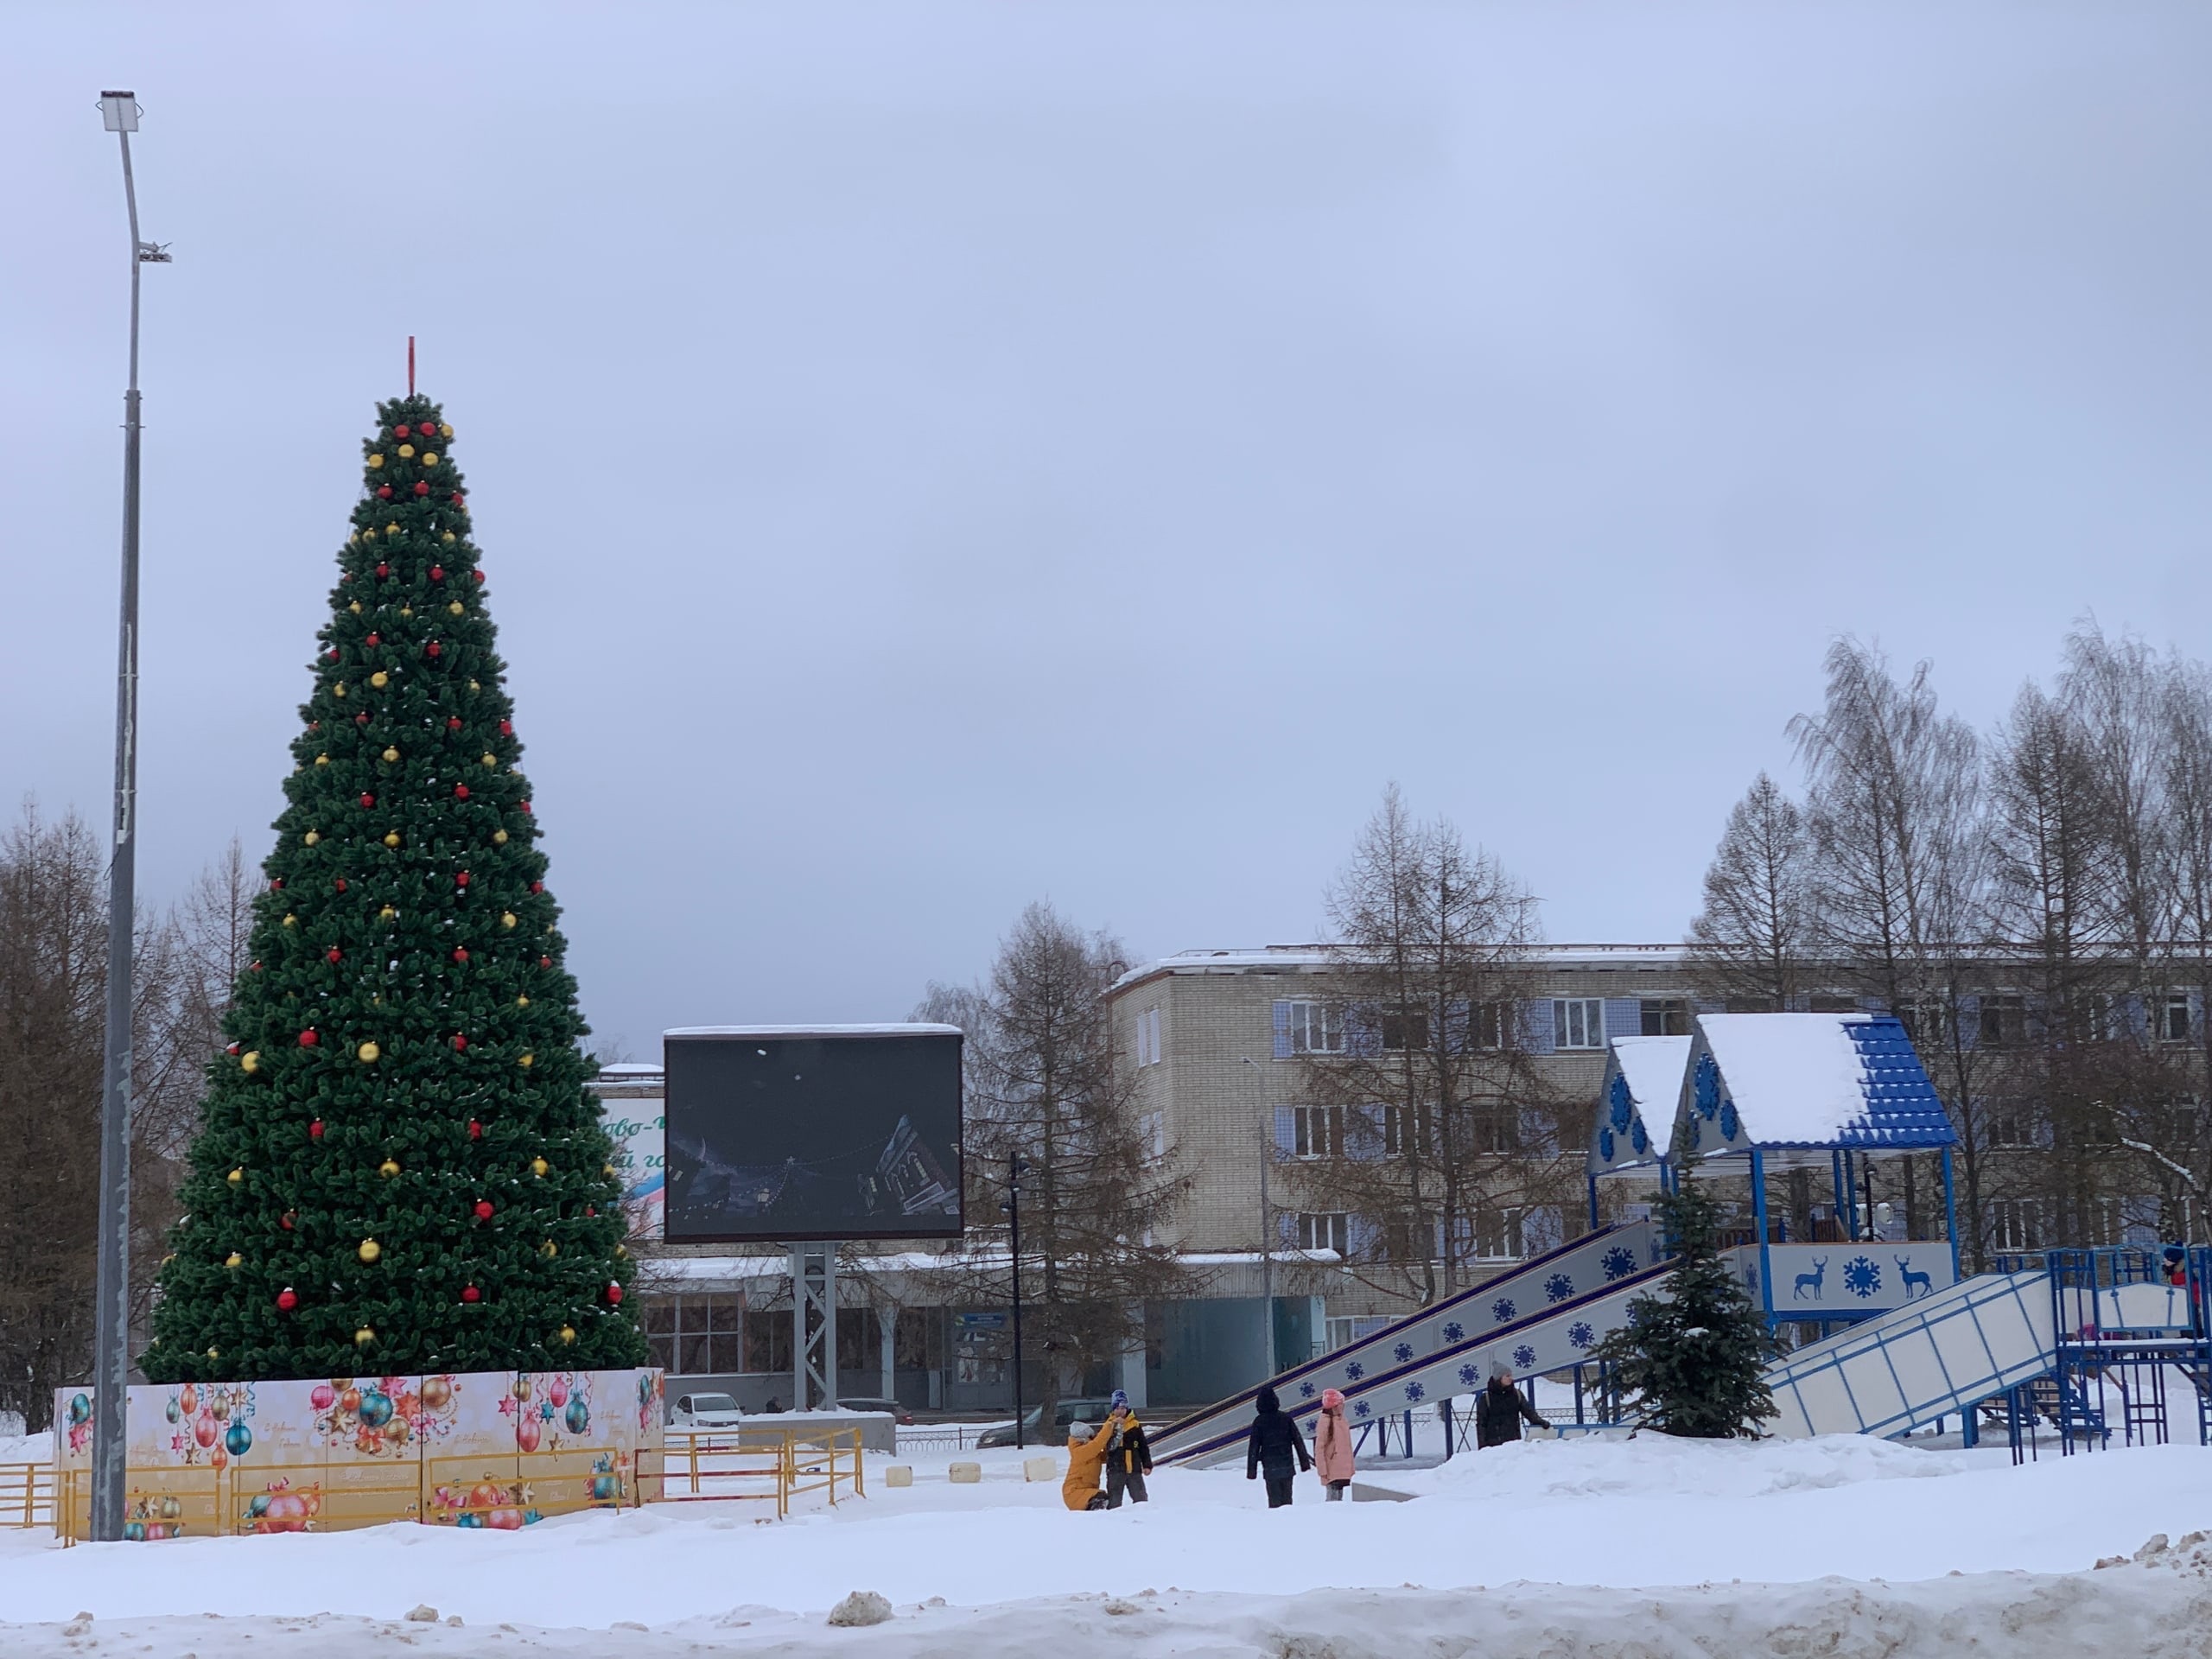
x=1034 y=1431
x=900 y=1415
x=704 y=1411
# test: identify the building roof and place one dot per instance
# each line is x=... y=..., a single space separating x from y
x=1635 y=1108
x=1321 y=958
x=908 y=1028
x=1815 y=1081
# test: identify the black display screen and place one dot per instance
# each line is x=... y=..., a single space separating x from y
x=794 y=1134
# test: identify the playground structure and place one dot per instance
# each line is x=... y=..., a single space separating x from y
x=2086 y=1344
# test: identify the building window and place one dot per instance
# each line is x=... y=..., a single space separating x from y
x=1405 y=1029
x=1668 y=1016
x=2015 y=1224
x=1318 y=1131
x=698 y=1335
x=2010 y=1123
x=2004 y=1021
x=2104 y=1223
x=1152 y=1136
x=1498 y=1234
x=1578 y=1022
x=2170 y=1017
x=1327 y=1232
x=1148 y=1046
x=1487 y=1025
x=1494 y=1128
x=1316 y=1028
x=1356 y=1327
x=1403 y=1128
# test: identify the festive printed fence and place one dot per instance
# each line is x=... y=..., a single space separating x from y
x=497 y=1449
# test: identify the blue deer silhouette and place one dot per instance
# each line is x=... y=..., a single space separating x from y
x=1905 y=1272
x=1811 y=1281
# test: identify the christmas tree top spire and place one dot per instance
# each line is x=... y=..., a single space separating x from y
x=399 y=1167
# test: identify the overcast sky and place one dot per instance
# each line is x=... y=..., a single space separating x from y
x=933 y=457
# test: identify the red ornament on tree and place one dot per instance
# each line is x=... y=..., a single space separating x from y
x=421 y=488
x=457 y=501
x=276 y=884
x=367 y=799
x=475 y=1130
x=453 y=722
x=613 y=1293
x=546 y=962
x=470 y=1294
x=506 y=728
x=341 y=883
x=332 y=653
x=399 y=431
x=526 y=807
x=360 y=720
x=307 y=1038
x=460 y=878
x=461 y=791
x=460 y=953
x=373 y=640
x=483 y=1209
x=437 y=573
x=383 y=491
x=286 y=1220
x=537 y=887
x=314 y=1130
x=433 y=649
x=331 y=954
x=459 y=1042
x=286 y=1300
x=478 y=574
x=383 y=571
x=232 y=1049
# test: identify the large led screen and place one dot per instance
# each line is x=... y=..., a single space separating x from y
x=789 y=1133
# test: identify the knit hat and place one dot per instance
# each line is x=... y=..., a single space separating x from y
x=1120 y=1402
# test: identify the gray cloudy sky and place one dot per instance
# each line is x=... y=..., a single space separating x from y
x=930 y=457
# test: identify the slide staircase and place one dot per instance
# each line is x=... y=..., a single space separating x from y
x=1544 y=1316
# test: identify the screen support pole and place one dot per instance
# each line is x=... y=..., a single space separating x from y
x=813 y=1327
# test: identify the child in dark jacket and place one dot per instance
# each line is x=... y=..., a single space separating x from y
x=1275 y=1442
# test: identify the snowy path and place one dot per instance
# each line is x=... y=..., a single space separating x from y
x=1227 y=1576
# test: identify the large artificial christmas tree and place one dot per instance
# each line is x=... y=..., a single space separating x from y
x=1692 y=1360
x=399 y=1167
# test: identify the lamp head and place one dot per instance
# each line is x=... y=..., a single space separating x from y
x=119 y=112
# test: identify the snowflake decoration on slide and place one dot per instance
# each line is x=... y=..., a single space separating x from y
x=1580 y=1334
x=1359 y=1408
x=1306 y=1390
x=1605 y=1145
x=1637 y=1137
x=1524 y=1356
x=1470 y=1375
x=1453 y=1333
x=1404 y=1352
x=1619 y=1108
x=1354 y=1371
x=1729 y=1121
x=1862 y=1277
x=1558 y=1287
x=1707 y=1090
x=1413 y=1390
x=1502 y=1311
x=1620 y=1261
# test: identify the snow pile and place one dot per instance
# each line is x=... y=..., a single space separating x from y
x=1019 y=1574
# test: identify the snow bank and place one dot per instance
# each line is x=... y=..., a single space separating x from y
x=2158 y=1608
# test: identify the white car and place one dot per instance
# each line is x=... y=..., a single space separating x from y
x=705 y=1411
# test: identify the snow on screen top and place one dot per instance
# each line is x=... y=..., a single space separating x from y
x=1796 y=1078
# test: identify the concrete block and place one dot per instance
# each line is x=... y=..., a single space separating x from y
x=965 y=1474
x=1041 y=1469
x=898 y=1474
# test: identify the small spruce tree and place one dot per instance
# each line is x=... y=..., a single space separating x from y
x=1692 y=1361
x=399 y=1167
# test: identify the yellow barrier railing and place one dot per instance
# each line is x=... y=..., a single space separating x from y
x=26 y=1495
x=734 y=1463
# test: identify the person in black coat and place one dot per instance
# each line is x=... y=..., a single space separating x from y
x=1273 y=1442
x=1500 y=1409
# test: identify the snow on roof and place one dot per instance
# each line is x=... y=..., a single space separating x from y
x=1635 y=1111
x=1807 y=1080
x=1319 y=958
x=910 y=1028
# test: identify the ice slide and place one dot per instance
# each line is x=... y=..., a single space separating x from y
x=1931 y=1358
x=1545 y=1316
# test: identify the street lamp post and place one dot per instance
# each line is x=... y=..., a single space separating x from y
x=111 y=1294
x=1013 y=1209
x=1266 y=1230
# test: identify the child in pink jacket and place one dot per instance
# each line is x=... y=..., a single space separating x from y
x=1332 y=1445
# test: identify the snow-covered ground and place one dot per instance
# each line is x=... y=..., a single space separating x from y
x=1843 y=1545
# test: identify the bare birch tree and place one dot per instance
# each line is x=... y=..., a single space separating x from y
x=1747 y=944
